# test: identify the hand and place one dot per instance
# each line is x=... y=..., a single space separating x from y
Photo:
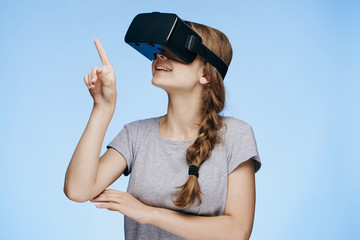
x=125 y=203
x=101 y=82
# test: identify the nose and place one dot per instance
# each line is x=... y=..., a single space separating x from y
x=160 y=56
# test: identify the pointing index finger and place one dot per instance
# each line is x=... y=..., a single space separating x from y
x=103 y=56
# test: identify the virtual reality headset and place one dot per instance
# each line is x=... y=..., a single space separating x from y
x=166 y=33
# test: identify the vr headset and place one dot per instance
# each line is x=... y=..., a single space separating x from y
x=166 y=33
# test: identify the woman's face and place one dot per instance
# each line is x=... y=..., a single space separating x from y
x=172 y=75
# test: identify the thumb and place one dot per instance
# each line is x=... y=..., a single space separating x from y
x=99 y=71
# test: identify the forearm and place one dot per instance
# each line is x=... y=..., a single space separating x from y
x=196 y=227
x=81 y=173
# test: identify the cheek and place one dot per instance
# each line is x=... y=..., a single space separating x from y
x=184 y=73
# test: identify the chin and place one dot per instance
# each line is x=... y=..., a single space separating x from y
x=172 y=84
x=159 y=82
x=155 y=81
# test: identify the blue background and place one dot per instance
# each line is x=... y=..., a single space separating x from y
x=294 y=77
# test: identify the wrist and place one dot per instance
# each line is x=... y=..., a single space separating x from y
x=151 y=215
x=105 y=107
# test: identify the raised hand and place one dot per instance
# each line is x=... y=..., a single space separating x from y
x=101 y=81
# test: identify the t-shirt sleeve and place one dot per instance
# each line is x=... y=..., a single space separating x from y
x=124 y=143
x=242 y=146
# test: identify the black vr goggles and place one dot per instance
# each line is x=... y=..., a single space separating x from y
x=166 y=33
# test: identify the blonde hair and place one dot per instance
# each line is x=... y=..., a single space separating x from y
x=213 y=96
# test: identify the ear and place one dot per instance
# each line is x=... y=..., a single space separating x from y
x=202 y=78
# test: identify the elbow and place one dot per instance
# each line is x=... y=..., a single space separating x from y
x=71 y=195
x=241 y=230
x=245 y=235
x=239 y=234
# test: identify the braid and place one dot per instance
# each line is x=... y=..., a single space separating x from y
x=201 y=149
x=213 y=97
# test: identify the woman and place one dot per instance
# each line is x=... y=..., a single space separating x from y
x=192 y=170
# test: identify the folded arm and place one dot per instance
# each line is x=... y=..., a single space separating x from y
x=236 y=223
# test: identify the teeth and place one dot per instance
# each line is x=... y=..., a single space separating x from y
x=162 y=68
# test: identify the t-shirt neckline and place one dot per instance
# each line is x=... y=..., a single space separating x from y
x=180 y=142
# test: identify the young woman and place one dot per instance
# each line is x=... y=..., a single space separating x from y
x=192 y=170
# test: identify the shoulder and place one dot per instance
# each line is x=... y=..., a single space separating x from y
x=142 y=127
x=234 y=121
x=142 y=123
x=138 y=129
x=235 y=125
x=236 y=130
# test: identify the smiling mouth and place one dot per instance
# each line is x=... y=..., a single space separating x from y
x=162 y=68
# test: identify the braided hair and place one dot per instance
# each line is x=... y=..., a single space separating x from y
x=213 y=101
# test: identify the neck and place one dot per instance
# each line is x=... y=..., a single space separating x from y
x=183 y=117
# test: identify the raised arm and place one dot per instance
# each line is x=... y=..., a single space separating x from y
x=87 y=175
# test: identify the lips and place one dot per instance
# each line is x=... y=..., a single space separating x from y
x=160 y=66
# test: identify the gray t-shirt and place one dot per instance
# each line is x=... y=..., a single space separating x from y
x=158 y=166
